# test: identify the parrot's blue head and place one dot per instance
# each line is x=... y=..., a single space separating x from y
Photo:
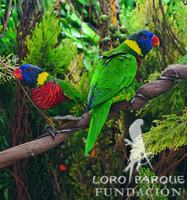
x=142 y=42
x=28 y=74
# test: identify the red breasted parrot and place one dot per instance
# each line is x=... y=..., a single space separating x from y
x=47 y=92
x=114 y=72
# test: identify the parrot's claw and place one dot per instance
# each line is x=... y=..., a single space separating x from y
x=176 y=74
x=67 y=117
x=140 y=96
x=50 y=130
x=133 y=100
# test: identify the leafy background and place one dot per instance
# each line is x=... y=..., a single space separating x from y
x=66 y=38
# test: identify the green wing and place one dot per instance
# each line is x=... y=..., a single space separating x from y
x=109 y=79
x=121 y=49
x=70 y=91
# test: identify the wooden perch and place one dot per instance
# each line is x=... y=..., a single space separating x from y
x=143 y=94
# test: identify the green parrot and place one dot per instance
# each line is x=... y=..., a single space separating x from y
x=114 y=72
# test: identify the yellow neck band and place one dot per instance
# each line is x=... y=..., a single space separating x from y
x=134 y=46
x=42 y=77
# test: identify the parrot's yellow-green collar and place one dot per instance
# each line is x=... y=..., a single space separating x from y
x=134 y=46
x=42 y=77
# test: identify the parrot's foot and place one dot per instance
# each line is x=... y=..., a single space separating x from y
x=173 y=74
x=140 y=96
x=67 y=117
x=50 y=131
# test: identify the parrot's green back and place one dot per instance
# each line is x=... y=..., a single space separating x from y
x=70 y=91
x=114 y=72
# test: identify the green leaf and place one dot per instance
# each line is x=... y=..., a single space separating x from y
x=129 y=3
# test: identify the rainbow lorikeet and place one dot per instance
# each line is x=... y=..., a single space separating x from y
x=47 y=92
x=115 y=71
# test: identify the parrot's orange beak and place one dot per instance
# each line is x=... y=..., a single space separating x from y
x=155 y=41
x=18 y=73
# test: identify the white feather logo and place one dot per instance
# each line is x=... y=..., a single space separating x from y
x=138 y=152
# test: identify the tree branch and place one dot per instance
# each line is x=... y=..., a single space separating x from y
x=143 y=94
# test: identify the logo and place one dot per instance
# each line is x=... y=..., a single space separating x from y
x=137 y=158
x=138 y=152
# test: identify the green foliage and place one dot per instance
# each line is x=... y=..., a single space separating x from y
x=6 y=184
x=43 y=47
x=179 y=13
x=136 y=16
x=8 y=42
x=150 y=66
x=129 y=3
x=153 y=77
x=106 y=161
x=7 y=98
x=83 y=36
x=171 y=102
x=7 y=105
x=145 y=185
x=170 y=132
x=77 y=29
x=183 y=60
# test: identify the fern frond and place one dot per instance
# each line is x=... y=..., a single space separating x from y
x=170 y=132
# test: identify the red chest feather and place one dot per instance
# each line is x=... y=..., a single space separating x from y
x=47 y=96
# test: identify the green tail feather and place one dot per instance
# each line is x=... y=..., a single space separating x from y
x=98 y=117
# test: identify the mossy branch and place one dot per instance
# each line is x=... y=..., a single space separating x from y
x=143 y=95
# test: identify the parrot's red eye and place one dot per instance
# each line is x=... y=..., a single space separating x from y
x=28 y=69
